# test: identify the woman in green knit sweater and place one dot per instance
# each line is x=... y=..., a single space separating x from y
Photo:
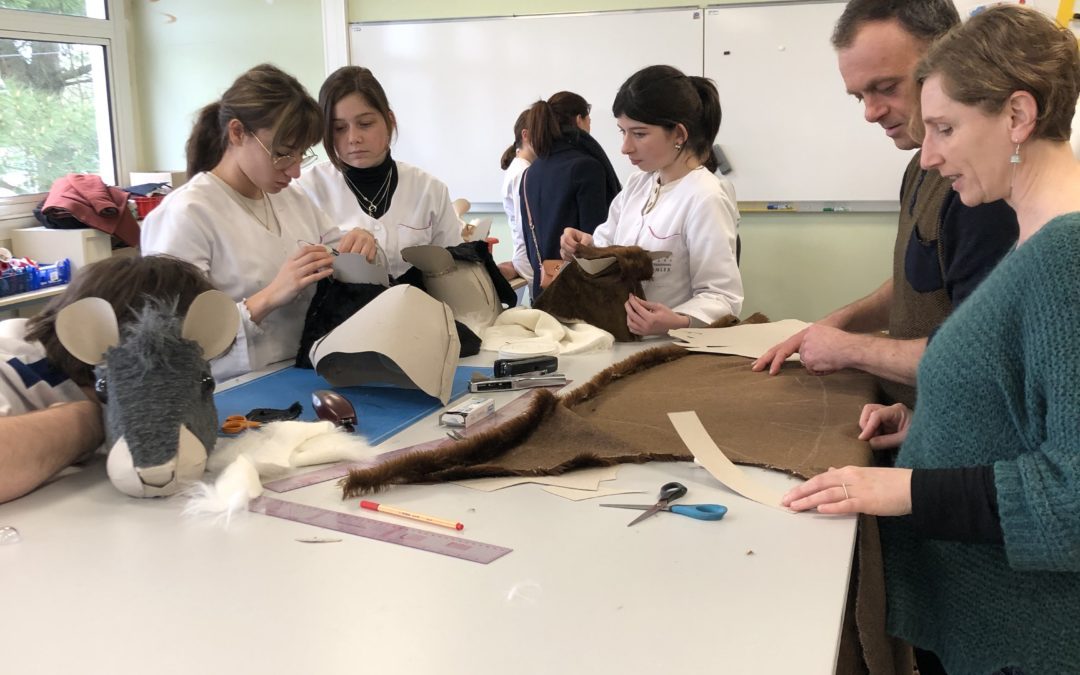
x=982 y=556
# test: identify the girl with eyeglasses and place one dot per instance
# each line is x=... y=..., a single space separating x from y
x=673 y=202
x=569 y=184
x=239 y=219
x=362 y=181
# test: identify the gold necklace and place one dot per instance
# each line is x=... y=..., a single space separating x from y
x=268 y=206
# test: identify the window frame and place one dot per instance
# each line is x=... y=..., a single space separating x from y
x=110 y=33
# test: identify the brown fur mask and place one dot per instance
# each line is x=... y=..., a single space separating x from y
x=599 y=299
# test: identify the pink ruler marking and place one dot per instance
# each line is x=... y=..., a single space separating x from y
x=335 y=471
x=348 y=523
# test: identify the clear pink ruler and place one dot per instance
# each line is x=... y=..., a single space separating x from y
x=455 y=547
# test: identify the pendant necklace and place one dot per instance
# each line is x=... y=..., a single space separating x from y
x=269 y=219
x=372 y=205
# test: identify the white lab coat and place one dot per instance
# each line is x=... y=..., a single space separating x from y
x=201 y=223
x=420 y=211
x=511 y=191
x=696 y=218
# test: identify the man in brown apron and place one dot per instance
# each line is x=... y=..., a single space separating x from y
x=943 y=249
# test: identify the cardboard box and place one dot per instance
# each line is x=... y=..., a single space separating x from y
x=47 y=246
x=173 y=178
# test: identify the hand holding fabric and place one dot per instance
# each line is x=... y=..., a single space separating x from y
x=854 y=489
x=884 y=426
x=570 y=240
x=777 y=354
x=306 y=266
x=825 y=349
x=359 y=240
x=652 y=318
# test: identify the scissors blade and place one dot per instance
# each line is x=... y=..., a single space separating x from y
x=642 y=507
x=653 y=510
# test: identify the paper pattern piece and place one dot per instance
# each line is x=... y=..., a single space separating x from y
x=354 y=268
x=750 y=340
x=705 y=451
x=585 y=479
x=404 y=338
x=579 y=495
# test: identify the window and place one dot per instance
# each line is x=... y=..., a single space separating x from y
x=64 y=96
x=94 y=9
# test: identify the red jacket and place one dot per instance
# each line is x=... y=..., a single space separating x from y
x=86 y=198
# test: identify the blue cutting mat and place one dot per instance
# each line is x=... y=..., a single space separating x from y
x=381 y=411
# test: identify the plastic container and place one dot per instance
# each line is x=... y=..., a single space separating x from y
x=144 y=205
x=26 y=279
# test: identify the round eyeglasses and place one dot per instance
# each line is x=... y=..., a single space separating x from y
x=285 y=161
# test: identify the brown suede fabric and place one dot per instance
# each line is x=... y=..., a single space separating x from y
x=795 y=422
x=599 y=299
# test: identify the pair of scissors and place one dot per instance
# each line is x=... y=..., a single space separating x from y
x=669 y=492
x=234 y=424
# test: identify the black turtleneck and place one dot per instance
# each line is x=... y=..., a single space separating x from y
x=367 y=184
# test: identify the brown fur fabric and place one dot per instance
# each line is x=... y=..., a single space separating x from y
x=795 y=422
x=599 y=299
x=803 y=425
x=473 y=456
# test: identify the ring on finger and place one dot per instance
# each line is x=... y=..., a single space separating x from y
x=846 y=495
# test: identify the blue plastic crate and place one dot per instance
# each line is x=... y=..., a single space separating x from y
x=13 y=282
x=26 y=279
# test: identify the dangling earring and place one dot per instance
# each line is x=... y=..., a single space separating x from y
x=1015 y=158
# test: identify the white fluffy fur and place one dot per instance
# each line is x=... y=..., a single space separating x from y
x=266 y=452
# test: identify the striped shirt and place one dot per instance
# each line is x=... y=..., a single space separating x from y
x=28 y=381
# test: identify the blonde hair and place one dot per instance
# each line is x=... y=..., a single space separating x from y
x=1003 y=50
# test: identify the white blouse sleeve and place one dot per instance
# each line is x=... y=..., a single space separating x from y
x=446 y=226
x=180 y=230
x=715 y=282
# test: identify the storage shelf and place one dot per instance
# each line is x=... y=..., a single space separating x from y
x=19 y=299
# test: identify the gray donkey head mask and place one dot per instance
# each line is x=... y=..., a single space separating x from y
x=160 y=419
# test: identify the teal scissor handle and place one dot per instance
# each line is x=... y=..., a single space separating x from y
x=699 y=511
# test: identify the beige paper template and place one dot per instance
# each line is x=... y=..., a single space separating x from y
x=705 y=451
x=750 y=340
x=404 y=337
x=354 y=268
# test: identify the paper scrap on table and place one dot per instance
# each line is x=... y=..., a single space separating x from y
x=705 y=451
x=584 y=479
x=750 y=340
x=578 y=495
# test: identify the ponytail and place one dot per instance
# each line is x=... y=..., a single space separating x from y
x=543 y=128
x=701 y=144
x=508 y=156
x=264 y=97
x=567 y=107
x=519 y=127
x=664 y=96
x=206 y=144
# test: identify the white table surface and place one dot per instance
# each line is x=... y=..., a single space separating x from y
x=102 y=583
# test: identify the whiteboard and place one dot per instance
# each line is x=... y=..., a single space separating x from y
x=457 y=86
x=789 y=129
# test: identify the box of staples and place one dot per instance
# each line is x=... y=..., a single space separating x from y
x=468 y=412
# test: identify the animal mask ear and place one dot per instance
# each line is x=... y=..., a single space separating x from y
x=212 y=321
x=87 y=328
